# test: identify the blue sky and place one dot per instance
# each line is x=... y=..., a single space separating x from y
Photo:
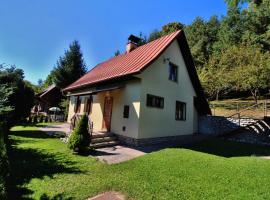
x=35 y=33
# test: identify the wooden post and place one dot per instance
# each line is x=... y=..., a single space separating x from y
x=266 y=108
x=239 y=120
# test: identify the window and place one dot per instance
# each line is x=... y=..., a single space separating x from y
x=88 y=103
x=78 y=105
x=173 y=72
x=126 y=111
x=180 y=111
x=154 y=101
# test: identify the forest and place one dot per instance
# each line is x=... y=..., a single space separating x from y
x=231 y=52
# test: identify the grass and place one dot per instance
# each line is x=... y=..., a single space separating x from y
x=43 y=168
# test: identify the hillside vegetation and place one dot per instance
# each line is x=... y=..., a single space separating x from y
x=232 y=52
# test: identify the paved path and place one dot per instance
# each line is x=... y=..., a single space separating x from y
x=110 y=155
x=108 y=196
x=56 y=129
x=117 y=154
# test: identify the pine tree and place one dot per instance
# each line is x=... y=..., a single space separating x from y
x=80 y=137
x=70 y=67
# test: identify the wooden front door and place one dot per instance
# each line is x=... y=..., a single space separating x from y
x=107 y=114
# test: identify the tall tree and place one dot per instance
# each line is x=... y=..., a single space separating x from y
x=171 y=27
x=21 y=99
x=215 y=78
x=231 y=30
x=252 y=69
x=166 y=29
x=5 y=107
x=235 y=3
x=69 y=68
x=201 y=36
x=240 y=67
x=155 y=34
x=40 y=83
x=117 y=53
x=258 y=24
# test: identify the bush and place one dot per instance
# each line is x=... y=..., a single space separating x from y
x=80 y=137
x=30 y=120
x=41 y=118
x=3 y=163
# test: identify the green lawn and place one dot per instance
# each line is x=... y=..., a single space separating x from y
x=43 y=168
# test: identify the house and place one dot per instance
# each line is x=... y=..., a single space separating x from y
x=147 y=95
x=50 y=97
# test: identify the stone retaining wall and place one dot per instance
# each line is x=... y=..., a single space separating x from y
x=170 y=140
x=216 y=125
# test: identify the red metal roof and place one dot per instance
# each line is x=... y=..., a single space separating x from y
x=125 y=64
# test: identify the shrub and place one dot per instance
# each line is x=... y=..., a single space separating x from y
x=30 y=120
x=41 y=118
x=80 y=137
x=3 y=163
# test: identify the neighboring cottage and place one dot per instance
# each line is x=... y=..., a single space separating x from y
x=48 y=98
x=149 y=94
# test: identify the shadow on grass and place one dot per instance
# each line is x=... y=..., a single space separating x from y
x=31 y=134
x=56 y=197
x=228 y=149
x=26 y=164
x=41 y=124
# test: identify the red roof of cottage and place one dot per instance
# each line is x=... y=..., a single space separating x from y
x=125 y=64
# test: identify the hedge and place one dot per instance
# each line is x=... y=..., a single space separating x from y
x=3 y=163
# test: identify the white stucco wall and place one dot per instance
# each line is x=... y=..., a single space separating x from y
x=72 y=103
x=96 y=114
x=155 y=122
x=129 y=95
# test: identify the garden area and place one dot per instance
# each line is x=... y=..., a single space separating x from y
x=213 y=169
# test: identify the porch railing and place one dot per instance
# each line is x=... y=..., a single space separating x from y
x=241 y=113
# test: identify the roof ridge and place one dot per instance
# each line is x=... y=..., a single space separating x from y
x=162 y=37
x=126 y=63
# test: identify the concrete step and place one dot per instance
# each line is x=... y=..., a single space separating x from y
x=104 y=144
x=103 y=139
x=102 y=135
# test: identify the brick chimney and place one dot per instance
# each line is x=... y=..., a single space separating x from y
x=130 y=46
x=132 y=43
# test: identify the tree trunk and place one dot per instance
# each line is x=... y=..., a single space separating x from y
x=255 y=95
x=217 y=95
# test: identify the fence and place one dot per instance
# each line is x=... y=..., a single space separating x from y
x=232 y=115
x=246 y=109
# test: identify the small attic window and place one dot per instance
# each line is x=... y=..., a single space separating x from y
x=173 y=72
